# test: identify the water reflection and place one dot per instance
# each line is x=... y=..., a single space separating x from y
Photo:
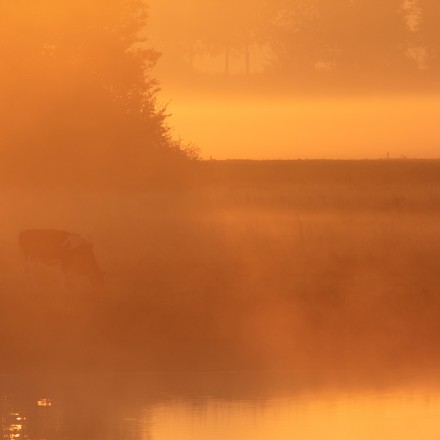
x=140 y=411
x=13 y=424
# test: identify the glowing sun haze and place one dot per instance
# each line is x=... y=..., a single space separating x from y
x=300 y=79
x=309 y=128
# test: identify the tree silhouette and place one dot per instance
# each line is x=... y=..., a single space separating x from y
x=214 y=27
x=235 y=27
x=430 y=34
x=354 y=38
x=296 y=36
x=378 y=37
x=77 y=94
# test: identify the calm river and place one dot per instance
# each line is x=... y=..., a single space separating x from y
x=214 y=407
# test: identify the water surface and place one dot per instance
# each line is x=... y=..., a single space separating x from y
x=229 y=406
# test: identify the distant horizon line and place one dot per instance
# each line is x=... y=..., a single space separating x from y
x=377 y=159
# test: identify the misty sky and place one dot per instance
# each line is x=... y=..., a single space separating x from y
x=308 y=128
x=304 y=120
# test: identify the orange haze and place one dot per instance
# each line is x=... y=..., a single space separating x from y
x=301 y=79
x=178 y=263
x=260 y=127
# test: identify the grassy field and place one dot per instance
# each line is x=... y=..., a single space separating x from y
x=247 y=265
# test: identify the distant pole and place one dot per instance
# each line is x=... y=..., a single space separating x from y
x=388 y=156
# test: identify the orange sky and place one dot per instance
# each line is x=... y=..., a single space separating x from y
x=235 y=127
x=224 y=122
x=276 y=125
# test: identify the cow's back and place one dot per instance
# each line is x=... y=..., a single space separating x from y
x=45 y=245
x=73 y=253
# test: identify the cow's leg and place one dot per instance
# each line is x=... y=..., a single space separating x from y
x=24 y=262
x=25 y=267
x=68 y=277
x=28 y=274
x=64 y=275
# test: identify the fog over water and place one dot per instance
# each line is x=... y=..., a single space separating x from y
x=155 y=287
x=215 y=406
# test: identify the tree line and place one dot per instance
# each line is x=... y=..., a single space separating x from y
x=78 y=97
x=363 y=39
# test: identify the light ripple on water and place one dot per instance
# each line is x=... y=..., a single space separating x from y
x=400 y=413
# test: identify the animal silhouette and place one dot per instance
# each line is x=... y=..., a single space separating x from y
x=71 y=252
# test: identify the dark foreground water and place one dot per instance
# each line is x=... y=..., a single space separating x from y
x=231 y=406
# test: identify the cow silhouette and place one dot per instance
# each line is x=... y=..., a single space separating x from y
x=71 y=252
